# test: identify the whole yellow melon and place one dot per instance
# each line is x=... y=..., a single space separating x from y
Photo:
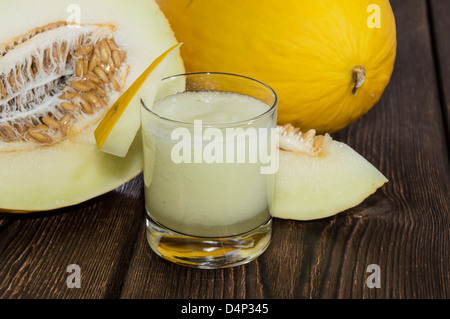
x=329 y=61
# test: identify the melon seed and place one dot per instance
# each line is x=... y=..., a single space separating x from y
x=86 y=49
x=317 y=143
x=80 y=86
x=40 y=137
x=114 y=82
x=65 y=119
x=104 y=50
x=86 y=106
x=309 y=134
x=68 y=106
x=93 y=99
x=41 y=127
x=112 y=45
x=101 y=74
x=51 y=122
x=93 y=77
x=79 y=68
x=93 y=63
x=116 y=58
x=78 y=65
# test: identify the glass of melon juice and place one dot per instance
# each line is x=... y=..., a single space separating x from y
x=210 y=156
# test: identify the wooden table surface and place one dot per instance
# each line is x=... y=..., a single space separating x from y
x=404 y=228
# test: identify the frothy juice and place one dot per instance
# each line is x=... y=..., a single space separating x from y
x=204 y=169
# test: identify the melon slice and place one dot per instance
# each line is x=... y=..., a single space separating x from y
x=117 y=130
x=53 y=95
x=319 y=177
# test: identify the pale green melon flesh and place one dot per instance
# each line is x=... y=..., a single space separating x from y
x=124 y=130
x=74 y=170
x=62 y=175
x=308 y=187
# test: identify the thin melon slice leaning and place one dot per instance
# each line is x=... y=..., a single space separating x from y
x=63 y=64
x=319 y=177
x=117 y=130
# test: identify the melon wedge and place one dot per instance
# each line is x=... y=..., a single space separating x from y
x=117 y=130
x=319 y=177
x=38 y=177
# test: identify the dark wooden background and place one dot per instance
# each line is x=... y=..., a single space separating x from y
x=404 y=228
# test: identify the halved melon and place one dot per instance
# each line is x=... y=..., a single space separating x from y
x=319 y=177
x=62 y=66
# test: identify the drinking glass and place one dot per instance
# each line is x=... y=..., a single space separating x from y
x=209 y=176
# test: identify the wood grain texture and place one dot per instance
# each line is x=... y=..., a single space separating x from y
x=98 y=235
x=404 y=227
x=409 y=147
x=440 y=26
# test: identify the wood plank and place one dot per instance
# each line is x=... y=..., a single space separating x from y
x=403 y=228
x=98 y=236
x=440 y=26
x=409 y=146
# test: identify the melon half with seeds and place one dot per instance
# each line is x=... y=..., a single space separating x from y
x=319 y=177
x=62 y=65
